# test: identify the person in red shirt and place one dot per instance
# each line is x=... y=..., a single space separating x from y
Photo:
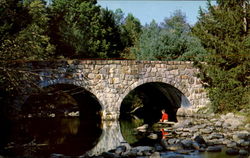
x=164 y=117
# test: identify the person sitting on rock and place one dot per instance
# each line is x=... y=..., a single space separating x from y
x=164 y=117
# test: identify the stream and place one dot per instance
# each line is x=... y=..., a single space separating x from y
x=70 y=136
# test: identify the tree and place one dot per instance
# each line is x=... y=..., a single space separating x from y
x=224 y=32
x=31 y=42
x=74 y=27
x=13 y=18
x=130 y=32
x=26 y=41
x=171 y=40
x=148 y=44
x=111 y=34
x=81 y=29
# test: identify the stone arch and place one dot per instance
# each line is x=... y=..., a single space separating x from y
x=83 y=85
x=139 y=83
x=183 y=100
x=74 y=84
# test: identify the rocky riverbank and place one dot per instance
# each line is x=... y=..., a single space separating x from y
x=189 y=138
x=226 y=133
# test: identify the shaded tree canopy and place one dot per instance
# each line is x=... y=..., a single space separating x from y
x=224 y=33
x=30 y=40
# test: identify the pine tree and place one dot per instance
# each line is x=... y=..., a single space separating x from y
x=224 y=32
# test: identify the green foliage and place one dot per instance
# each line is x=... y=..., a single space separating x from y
x=169 y=41
x=31 y=42
x=81 y=29
x=130 y=30
x=70 y=27
x=111 y=34
x=23 y=36
x=13 y=18
x=224 y=32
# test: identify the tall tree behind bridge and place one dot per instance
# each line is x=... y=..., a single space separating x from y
x=224 y=32
x=81 y=29
x=130 y=32
x=170 y=40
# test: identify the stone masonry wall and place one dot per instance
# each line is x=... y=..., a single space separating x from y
x=111 y=80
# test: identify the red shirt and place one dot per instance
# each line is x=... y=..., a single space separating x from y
x=164 y=117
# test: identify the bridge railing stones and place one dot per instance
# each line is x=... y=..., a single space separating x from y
x=111 y=80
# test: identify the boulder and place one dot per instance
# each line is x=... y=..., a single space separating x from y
x=152 y=136
x=217 y=141
x=109 y=155
x=158 y=147
x=182 y=124
x=187 y=144
x=172 y=141
x=243 y=143
x=193 y=129
x=120 y=149
x=243 y=135
x=195 y=145
x=231 y=144
x=164 y=143
x=130 y=153
x=142 y=128
x=174 y=147
x=199 y=139
x=231 y=121
x=155 y=155
x=214 y=149
x=243 y=152
x=247 y=126
x=206 y=130
x=186 y=152
x=232 y=151
x=144 y=149
x=215 y=136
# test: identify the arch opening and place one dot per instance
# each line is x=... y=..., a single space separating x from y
x=147 y=100
x=63 y=119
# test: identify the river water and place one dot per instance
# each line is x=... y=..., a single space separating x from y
x=41 y=137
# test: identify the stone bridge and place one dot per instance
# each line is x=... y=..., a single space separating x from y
x=110 y=81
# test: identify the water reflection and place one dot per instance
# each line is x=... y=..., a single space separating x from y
x=137 y=133
x=110 y=139
x=33 y=137
x=40 y=137
x=164 y=133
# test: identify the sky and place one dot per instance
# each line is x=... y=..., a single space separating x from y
x=147 y=10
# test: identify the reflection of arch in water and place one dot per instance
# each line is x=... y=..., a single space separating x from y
x=110 y=139
x=154 y=97
x=61 y=99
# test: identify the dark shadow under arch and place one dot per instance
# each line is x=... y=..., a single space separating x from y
x=64 y=98
x=47 y=121
x=147 y=100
